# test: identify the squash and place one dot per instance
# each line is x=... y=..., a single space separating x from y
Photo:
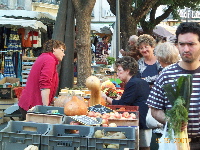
x=75 y=107
x=63 y=99
x=102 y=102
x=93 y=84
x=107 y=84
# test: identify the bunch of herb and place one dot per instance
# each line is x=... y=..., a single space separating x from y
x=110 y=60
x=179 y=97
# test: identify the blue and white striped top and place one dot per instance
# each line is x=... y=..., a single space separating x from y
x=158 y=100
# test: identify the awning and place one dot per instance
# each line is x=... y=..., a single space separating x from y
x=28 y=15
x=21 y=23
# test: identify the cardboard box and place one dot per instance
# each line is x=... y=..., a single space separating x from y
x=6 y=91
x=9 y=80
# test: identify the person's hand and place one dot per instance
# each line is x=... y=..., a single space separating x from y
x=184 y=126
x=121 y=50
x=103 y=95
x=118 y=97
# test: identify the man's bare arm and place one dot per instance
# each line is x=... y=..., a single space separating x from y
x=158 y=114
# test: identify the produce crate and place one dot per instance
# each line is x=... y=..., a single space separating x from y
x=6 y=90
x=5 y=103
x=17 y=135
x=124 y=122
x=6 y=93
x=98 y=143
x=47 y=110
x=123 y=108
x=66 y=137
x=45 y=118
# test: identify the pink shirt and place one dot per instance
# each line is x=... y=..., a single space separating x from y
x=43 y=74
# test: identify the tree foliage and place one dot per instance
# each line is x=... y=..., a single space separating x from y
x=172 y=7
x=133 y=12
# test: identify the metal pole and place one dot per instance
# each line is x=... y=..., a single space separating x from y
x=186 y=14
x=117 y=27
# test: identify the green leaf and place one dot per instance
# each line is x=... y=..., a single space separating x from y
x=170 y=93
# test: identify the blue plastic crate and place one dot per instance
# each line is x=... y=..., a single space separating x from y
x=98 y=143
x=48 y=110
x=64 y=137
x=18 y=135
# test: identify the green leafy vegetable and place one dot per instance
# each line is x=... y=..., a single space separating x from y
x=177 y=114
x=110 y=60
x=179 y=97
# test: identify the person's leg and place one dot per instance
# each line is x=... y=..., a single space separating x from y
x=145 y=139
x=23 y=112
x=195 y=143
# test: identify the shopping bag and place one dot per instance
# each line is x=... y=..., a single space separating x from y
x=151 y=122
x=165 y=143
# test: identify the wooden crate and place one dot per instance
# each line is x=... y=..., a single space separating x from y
x=5 y=103
x=45 y=118
x=124 y=122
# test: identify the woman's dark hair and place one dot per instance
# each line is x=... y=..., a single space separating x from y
x=104 y=37
x=128 y=63
x=50 y=44
x=188 y=27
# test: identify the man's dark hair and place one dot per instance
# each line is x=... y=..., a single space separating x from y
x=104 y=37
x=188 y=27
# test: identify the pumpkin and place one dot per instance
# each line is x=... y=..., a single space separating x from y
x=75 y=107
x=93 y=84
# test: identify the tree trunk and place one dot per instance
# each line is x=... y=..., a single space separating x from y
x=58 y=31
x=83 y=11
x=60 y=23
x=67 y=69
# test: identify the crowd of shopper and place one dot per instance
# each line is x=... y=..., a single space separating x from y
x=162 y=63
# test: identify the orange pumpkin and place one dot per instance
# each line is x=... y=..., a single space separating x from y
x=75 y=107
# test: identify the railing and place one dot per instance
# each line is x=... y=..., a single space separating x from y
x=55 y=2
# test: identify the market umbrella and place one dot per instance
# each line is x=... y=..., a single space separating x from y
x=161 y=31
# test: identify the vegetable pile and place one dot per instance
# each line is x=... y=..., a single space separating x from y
x=179 y=97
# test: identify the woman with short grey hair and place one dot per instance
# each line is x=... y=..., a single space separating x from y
x=167 y=54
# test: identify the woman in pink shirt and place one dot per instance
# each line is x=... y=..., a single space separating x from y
x=42 y=81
